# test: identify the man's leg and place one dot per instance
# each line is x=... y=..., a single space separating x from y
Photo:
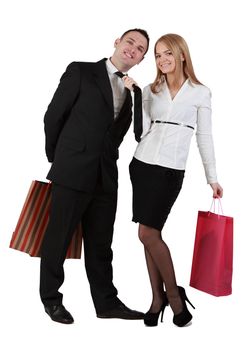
x=67 y=207
x=98 y=222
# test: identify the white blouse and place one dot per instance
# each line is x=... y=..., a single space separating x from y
x=168 y=145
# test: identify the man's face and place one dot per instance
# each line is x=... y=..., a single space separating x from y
x=130 y=50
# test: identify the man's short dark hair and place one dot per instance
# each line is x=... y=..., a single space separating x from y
x=142 y=32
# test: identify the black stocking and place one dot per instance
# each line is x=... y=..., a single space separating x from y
x=160 y=269
x=156 y=284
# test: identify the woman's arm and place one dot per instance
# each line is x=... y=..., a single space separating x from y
x=205 y=143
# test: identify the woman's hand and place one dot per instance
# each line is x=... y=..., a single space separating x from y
x=217 y=190
x=129 y=82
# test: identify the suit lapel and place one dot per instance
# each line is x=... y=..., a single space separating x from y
x=102 y=80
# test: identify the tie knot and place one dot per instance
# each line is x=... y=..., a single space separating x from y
x=120 y=74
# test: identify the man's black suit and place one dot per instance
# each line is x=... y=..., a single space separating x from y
x=82 y=140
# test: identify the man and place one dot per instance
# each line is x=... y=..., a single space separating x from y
x=85 y=123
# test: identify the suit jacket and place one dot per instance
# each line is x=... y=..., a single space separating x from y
x=82 y=136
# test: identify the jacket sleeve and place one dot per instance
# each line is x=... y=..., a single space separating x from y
x=59 y=108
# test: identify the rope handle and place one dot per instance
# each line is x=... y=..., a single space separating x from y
x=220 y=209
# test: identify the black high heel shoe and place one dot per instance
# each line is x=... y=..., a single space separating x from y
x=151 y=318
x=185 y=316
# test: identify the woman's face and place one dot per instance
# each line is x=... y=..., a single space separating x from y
x=165 y=60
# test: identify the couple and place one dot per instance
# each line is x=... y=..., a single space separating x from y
x=85 y=124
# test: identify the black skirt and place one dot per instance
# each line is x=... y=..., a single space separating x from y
x=155 y=189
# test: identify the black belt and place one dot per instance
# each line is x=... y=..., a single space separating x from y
x=173 y=123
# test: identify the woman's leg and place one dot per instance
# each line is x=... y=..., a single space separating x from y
x=160 y=261
x=156 y=283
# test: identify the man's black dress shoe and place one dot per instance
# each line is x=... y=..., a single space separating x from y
x=123 y=312
x=58 y=313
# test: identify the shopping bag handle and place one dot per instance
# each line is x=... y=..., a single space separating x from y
x=219 y=206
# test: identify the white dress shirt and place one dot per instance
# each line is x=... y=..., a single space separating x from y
x=118 y=88
x=168 y=145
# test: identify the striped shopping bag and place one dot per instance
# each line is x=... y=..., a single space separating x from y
x=33 y=220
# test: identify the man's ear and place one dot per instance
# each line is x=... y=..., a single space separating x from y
x=141 y=59
x=117 y=41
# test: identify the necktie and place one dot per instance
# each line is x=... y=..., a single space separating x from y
x=138 y=118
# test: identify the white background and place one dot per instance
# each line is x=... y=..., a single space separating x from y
x=38 y=40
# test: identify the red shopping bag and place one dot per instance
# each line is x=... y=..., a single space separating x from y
x=33 y=220
x=212 y=263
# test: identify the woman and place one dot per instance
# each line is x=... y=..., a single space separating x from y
x=173 y=105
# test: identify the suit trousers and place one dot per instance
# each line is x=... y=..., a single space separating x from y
x=97 y=213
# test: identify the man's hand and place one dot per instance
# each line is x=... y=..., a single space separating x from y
x=129 y=82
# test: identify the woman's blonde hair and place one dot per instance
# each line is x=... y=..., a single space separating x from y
x=178 y=46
